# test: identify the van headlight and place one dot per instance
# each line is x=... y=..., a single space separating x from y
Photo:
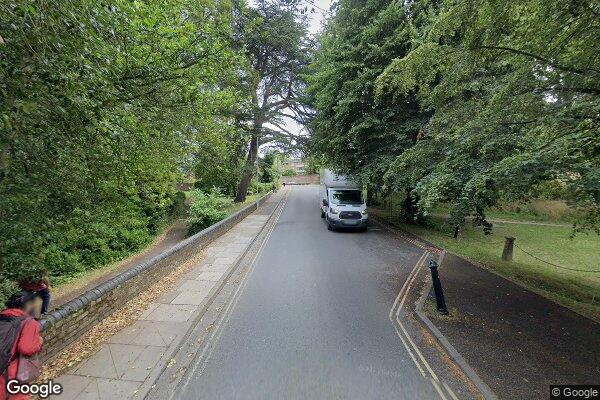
x=333 y=211
x=364 y=212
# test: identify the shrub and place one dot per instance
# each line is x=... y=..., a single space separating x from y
x=7 y=288
x=206 y=209
x=261 y=187
x=289 y=172
x=177 y=209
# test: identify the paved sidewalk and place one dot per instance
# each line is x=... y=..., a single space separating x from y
x=130 y=360
x=518 y=342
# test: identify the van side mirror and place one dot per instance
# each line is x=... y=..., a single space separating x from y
x=325 y=203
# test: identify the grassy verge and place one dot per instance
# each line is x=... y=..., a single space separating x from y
x=537 y=210
x=580 y=291
x=235 y=207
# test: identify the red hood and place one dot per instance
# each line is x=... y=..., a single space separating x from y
x=14 y=312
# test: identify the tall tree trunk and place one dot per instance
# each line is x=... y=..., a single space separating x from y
x=249 y=168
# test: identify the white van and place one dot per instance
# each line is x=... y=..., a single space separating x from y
x=342 y=203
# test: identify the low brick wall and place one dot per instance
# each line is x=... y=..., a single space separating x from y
x=63 y=325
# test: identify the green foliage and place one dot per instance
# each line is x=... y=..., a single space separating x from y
x=314 y=164
x=178 y=207
x=206 y=209
x=353 y=131
x=7 y=287
x=98 y=106
x=260 y=187
x=289 y=172
x=271 y=168
x=469 y=102
x=219 y=158
x=513 y=89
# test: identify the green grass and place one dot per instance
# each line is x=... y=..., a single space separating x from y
x=537 y=210
x=579 y=291
x=235 y=207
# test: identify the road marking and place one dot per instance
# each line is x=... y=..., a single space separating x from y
x=410 y=353
x=450 y=391
x=404 y=286
x=408 y=343
x=215 y=336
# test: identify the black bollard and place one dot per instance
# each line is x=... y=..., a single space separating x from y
x=437 y=288
x=456 y=231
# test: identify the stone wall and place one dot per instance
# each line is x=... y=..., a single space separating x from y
x=63 y=325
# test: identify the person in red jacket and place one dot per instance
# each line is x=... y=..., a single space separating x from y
x=29 y=341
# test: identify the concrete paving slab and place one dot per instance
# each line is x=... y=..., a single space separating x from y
x=191 y=297
x=91 y=392
x=168 y=297
x=139 y=369
x=195 y=286
x=73 y=385
x=242 y=240
x=171 y=312
x=209 y=276
x=151 y=307
x=143 y=333
x=169 y=330
x=218 y=268
x=223 y=260
x=124 y=355
x=150 y=333
x=210 y=251
x=100 y=365
x=235 y=248
x=116 y=389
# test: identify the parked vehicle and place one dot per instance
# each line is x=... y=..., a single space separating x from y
x=342 y=203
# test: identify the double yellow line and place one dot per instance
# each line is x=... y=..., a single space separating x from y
x=415 y=354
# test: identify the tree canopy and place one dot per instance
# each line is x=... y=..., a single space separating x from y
x=358 y=133
x=98 y=102
x=503 y=97
x=106 y=106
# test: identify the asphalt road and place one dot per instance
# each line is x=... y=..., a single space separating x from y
x=311 y=321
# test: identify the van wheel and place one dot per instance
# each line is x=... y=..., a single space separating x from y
x=322 y=214
x=329 y=227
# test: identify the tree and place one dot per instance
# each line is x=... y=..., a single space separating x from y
x=273 y=37
x=271 y=167
x=97 y=102
x=354 y=131
x=513 y=92
x=468 y=102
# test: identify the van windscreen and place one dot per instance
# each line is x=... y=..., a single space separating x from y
x=346 y=197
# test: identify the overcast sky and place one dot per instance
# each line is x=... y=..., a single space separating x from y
x=318 y=15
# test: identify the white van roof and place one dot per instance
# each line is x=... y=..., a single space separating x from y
x=331 y=179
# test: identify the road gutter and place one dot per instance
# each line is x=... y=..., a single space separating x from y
x=456 y=357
